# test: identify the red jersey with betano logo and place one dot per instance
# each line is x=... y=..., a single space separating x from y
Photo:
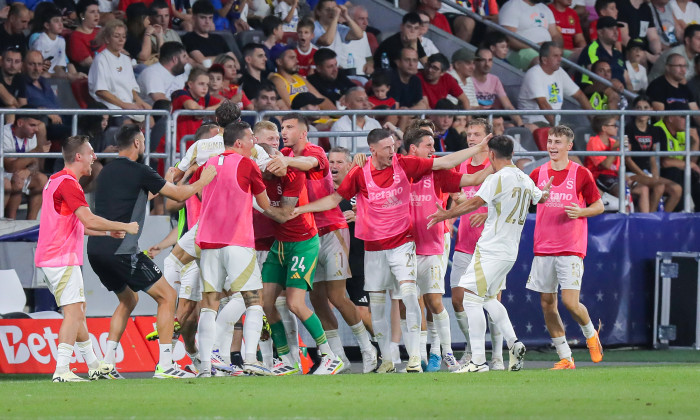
x=293 y=185
x=354 y=183
x=319 y=184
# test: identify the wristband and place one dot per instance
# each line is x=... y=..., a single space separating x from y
x=108 y=233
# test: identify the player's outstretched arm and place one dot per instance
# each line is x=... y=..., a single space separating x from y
x=183 y=192
x=458 y=210
x=454 y=159
x=302 y=163
x=574 y=211
x=476 y=178
x=326 y=203
x=99 y=226
x=167 y=242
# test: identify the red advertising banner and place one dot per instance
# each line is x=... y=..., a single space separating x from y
x=30 y=346
x=145 y=325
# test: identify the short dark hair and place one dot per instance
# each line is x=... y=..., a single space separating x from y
x=306 y=23
x=323 y=55
x=415 y=137
x=126 y=135
x=493 y=38
x=377 y=135
x=343 y=150
x=546 y=48
x=601 y=4
x=502 y=146
x=269 y=24
x=690 y=30
x=411 y=17
x=439 y=58
x=203 y=7
x=482 y=122
x=249 y=48
x=445 y=105
x=562 y=131
x=642 y=97
x=82 y=5
x=204 y=130
x=599 y=122
x=265 y=86
x=295 y=116
x=27 y=116
x=159 y=4
x=228 y=112
x=170 y=50
x=71 y=146
x=381 y=78
x=235 y=131
x=595 y=65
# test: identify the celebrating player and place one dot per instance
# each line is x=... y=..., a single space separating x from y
x=559 y=258
x=508 y=193
x=65 y=219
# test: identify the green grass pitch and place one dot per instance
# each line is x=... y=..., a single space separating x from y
x=643 y=388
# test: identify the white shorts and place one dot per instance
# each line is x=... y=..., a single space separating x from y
x=66 y=283
x=190 y=282
x=187 y=244
x=261 y=256
x=237 y=262
x=565 y=271
x=485 y=277
x=384 y=269
x=460 y=262
x=431 y=276
x=446 y=253
x=333 y=253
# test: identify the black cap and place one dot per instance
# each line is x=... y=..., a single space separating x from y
x=636 y=43
x=676 y=106
x=608 y=22
x=305 y=98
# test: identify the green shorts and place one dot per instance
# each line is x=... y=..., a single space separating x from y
x=292 y=264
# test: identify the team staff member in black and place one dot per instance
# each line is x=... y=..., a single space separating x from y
x=123 y=189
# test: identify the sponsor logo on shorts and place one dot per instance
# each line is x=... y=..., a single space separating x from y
x=339 y=273
x=296 y=276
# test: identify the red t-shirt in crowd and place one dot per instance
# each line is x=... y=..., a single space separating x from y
x=445 y=85
x=68 y=197
x=593 y=162
x=81 y=46
x=188 y=124
x=389 y=102
x=123 y=4
x=233 y=91
x=593 y=31
x=300 y=228
x=354 y=183
x=568 y=24
x=440 y=21
x=306 y=61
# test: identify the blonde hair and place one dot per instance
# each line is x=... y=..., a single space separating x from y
x=263 y=125
x=108 y=30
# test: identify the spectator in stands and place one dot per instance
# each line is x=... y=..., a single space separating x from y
x=254 y=73
x=306 y=101
x=645 y=168
x=407 y=37
x=604 y=49
x=111 y=79
x=195 y=96
x=607 y=8
x=669 y=30
x=221 y=16
x=605 y=169
x=498 y=128
x=463 y=64
x=12 y=30
x=355 y=99
x=360 y=48
x=489 y=89
x=46 y=38
x=24 y=173
x=689 y=50
x=139 y=43
x=81 y=43
x=266 y=100
x=497 y=42
x=160 y=15
x=231 y=89
x=428 y=45
x=287 y=81
x=546 y=85
x=406 y=88
x=670 y=133
x=447 y=138
x=638 y=22
x=569 y=25
x=331 y=34
x=272 y=30
x=437 y=84
x=686 y=12
x=600 y=95
x=288 y=12
x=216 y=81
x=694 y=83
x=327 y=80
x=306 y=49
x=671 y=87
x=437 y=19
x=201 y=44
x=12 y=89
x=160 y=80
x=531 y=20
x=381 y=85
x=466 y=28
x=635 y=68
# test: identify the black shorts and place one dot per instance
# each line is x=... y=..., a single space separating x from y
x=355 y=286
x=116 y=272
x=608 y=183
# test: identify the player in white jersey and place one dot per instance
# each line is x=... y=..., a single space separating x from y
x=508 y=193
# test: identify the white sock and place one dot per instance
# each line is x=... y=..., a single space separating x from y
x=496 y=340
x=380 y=324
x=563 y=349
x=361 y=335
x=252 y=327
x=291 y=328
x=499 y=315
x=433 y=338
x=326 y=350
x=226 y=323
x=166 y=354
x=442 y=327
x=65 y=351
x=206 y=331
x=88 y=353
x=423 y=346
x=588 y=330
x=474 y=307
x=111 y=353
x=463 y=323
x=336 y=344
x=192 y=356
x=266 y=351
x=395 y=352
x=171 y=271
x=409 y=297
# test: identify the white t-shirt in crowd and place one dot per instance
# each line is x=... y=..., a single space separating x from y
x=157 y=79
x=637 y=77
x=13 y=144
x=113 y=74
x=259 y=8
x=55 y=48
x=345 y=124
x=508 y=194
x=467 y=87
x=428 y=46
x=531 y=22
x=360 y=50
x=691 y=14
x=282 y=10
x=538 y=84
x=338 y=45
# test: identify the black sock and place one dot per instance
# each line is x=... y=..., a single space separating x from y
x=236 y=358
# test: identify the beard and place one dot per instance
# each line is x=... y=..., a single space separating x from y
x=139 y=159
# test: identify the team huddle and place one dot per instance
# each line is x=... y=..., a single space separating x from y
x=259 y=228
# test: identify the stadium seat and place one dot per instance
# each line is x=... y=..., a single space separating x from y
x=63 y=90
x=581 y=136
x=540 y=136
x=12 y=298
x=246 y=37
x=524 y=136
x=231 y=43
x=81 y=94
x=289 y=38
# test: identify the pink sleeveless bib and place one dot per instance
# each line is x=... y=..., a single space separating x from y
x=384 y=213
x=60 y=237
x=193 y=207
x=555 y=233
x=423 y=198
x=467 y=236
